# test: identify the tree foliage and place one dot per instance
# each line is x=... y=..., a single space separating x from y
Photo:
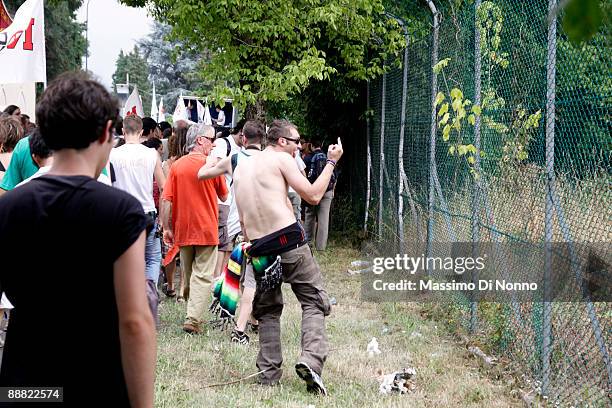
x=269 y=50
x=172 y=70
x=582 y=18
x=64 y=41
x=134 y=64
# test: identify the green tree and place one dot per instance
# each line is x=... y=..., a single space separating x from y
x=173 y=72
x=134 y=64
x=64 y=41
x=269 y=50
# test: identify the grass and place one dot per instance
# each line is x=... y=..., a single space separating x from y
x=446 y=375
x=516 y=201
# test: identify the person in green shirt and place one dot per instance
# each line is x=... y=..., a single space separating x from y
x=21 y=167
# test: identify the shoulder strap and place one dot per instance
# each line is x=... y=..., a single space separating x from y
x=113 y=176
x=229 y=146
x=234 y=163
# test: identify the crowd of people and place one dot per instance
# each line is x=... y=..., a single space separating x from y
x=114 y=201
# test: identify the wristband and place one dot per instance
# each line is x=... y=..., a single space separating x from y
x=332 y=162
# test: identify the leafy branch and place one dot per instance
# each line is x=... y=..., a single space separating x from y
x=452 y=113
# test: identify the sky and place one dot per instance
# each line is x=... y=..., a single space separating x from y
x=112 y=27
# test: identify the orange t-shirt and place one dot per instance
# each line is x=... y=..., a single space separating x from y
x=194 y=203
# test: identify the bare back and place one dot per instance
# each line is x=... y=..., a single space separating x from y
x=261 y=194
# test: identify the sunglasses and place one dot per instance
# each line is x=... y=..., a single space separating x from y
x=296 y=141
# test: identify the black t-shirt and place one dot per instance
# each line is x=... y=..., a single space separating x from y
x=59 y=238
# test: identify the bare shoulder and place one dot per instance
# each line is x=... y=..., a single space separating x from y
x=283 y=159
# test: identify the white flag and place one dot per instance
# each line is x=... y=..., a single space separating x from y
x=22 y=46
x=201 y=110
x=207 y=118
x=161 y=114
x=154 y=105
x=180 y=112
x=133 y=105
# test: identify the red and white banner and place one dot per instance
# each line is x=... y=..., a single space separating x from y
x=133 y=105
x=22 y=46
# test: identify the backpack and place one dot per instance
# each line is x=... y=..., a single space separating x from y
x=317 y=164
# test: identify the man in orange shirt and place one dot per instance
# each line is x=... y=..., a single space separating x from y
x=192 y=204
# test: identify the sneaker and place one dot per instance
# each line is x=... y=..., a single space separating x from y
x=239 y=337
x=168 y=292
x=314 y=382
x=191 y=329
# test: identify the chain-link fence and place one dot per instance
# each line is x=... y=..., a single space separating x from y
x=497 y=129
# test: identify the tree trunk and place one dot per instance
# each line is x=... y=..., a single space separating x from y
x=256 y=111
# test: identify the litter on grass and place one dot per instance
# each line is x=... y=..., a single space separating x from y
x=373 y=349
x=358 y=267
x=479 y=353
x=402 y=381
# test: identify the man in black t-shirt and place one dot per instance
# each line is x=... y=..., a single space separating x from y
x=81 y=319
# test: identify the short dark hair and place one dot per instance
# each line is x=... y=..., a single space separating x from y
x=148 y=125
x=153 y=143
x=164 y=125
x=316 y=143
x=74 y=110
x=11 y=131
x=253 y=130
x=239 y=126
x=11 y=109
x=167 y=133
x=119 y=126
x=280 y=128
x=38 y=146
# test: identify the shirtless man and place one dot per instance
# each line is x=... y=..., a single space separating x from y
x=253 y=131
x=261 y=193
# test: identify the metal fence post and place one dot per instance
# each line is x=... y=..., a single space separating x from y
x=477 y=175
x=382 y=155
x=400 y=207
x=550 y=185
x=432 y=136
x=369 y=160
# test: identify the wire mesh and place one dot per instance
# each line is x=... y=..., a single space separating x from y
x=564 y=347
